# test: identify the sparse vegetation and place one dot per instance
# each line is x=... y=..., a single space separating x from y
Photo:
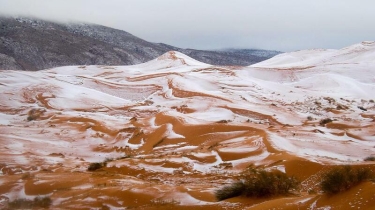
x=341 y=107
x=230 y=191
x=107 y=159
x=161 y=202
x=224 y=121
x=96 y=166
x=37 y=202
x=34 y=114
x=370 y=158
x=309 y=118
x=259 y=183
x=362 y=108
x=325 y=121
x=330 y=100
x=342 y=178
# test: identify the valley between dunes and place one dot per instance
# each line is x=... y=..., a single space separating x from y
x=174 y=130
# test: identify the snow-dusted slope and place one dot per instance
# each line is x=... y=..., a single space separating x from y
x=358 y=53
x=170 y=60
x=175 y=115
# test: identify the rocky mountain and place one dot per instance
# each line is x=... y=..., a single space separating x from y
x=33 y=44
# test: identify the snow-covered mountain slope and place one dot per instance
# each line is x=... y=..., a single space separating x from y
x=358 y=53
x=34 y=44
x=176 y=129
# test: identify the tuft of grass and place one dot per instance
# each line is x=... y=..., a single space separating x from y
x=342 y=178
x=23 y=203
x=259 y=183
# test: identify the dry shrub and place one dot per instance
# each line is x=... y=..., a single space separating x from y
x=230 y=191
x=342 y=178
x=23 y=203
x=325 y=121
x=34 y=114
x=96 y=166
x=370 y=158
x=259 y=183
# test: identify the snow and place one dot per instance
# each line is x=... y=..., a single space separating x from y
x=363 y=52
x=185 y=199
x=171 y=134
x=213 y=114
x=275 y=96
x=5 y=119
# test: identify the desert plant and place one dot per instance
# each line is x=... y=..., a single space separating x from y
x=23 y=203
x=96 y=166
x=362 y=108
x=230 y=191
x=325 y=121
x=107 y=159
x=342 y=178
x=43 y=202
x=370 y=158
x=265 y=183
x=259 y=183
x=34 y=114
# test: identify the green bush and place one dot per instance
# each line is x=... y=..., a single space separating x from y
x=38 y=202
x=259 y=183
x=342 y=178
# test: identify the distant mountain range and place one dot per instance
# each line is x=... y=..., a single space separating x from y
x=34 y=44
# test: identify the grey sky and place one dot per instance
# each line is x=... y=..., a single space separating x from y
x=214 y=24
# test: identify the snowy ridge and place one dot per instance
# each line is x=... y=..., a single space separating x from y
x=358 y=53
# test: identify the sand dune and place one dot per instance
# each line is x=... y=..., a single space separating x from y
x=173 y=130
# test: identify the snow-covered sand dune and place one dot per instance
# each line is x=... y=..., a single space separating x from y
x=175 y=115
x=359 y=53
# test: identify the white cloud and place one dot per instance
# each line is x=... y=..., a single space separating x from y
x=212 y=24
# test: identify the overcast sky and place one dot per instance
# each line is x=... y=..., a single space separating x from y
x=284 y=25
